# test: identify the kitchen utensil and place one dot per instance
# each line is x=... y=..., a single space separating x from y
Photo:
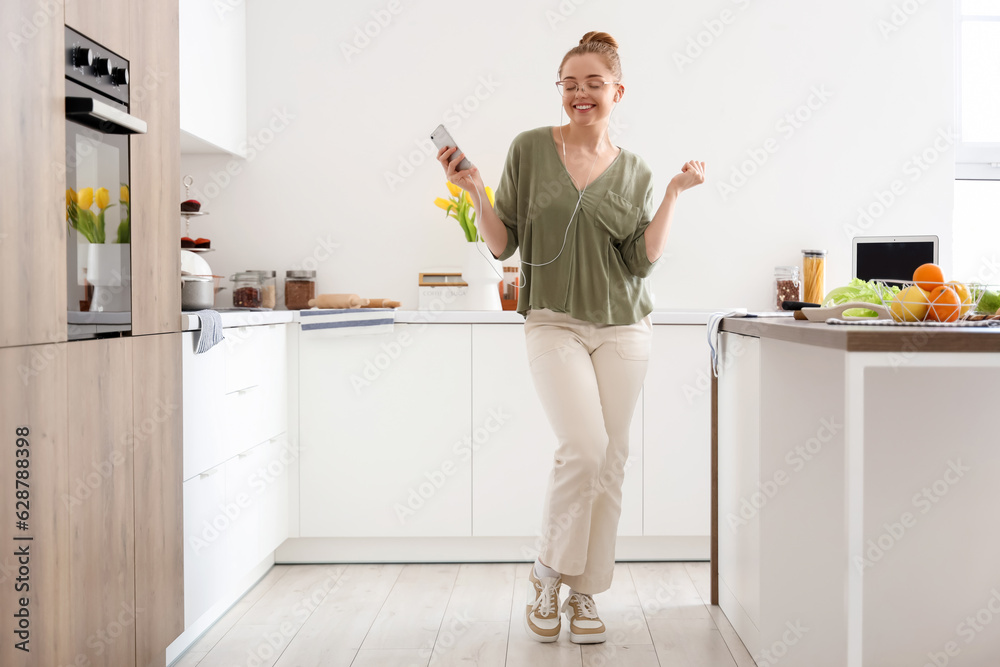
x=798 y=305
x=822 y=314
x=194 y=264
x=197 y=292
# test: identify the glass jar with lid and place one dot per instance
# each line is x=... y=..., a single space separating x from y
x=269 y=287
x=786 y=285
x=246 y=290
x=813 y=275
x=300 y=287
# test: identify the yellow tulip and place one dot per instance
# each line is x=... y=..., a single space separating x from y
x=465 y=197
x=103 y=198
x=85 y=198
x=124 y=194
x=70 y=196
x=443 y=203
x=452 y=188
x=489 y=194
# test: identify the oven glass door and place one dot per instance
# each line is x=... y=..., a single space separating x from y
x=98 y=247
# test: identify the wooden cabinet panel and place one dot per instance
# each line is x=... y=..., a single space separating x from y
x=104 y=21
x=159 y=511
x=34 y=381
x=101 y=535
x=32 y=207
x=155 y=170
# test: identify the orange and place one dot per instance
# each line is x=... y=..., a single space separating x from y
x=928 y=276
x=963 y=294
x=945 y=304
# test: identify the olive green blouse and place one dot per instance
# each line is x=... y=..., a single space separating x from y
x=599 y=277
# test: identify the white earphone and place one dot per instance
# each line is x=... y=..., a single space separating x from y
x=522 y=278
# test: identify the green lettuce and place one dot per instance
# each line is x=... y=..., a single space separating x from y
x=871 y=291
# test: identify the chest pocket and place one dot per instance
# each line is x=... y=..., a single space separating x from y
x=616 y=215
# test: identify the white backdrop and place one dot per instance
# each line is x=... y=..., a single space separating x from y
x=853 y=99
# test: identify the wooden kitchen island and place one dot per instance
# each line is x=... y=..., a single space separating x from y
x=856 y=483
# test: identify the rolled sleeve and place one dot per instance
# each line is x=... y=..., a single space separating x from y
x=633 y=247
x=505 y=200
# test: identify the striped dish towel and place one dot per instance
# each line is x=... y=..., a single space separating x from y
x=348 y=321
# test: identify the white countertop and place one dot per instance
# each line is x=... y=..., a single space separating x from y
x=242 y=318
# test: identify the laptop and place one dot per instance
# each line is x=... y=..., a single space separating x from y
x=892 y=258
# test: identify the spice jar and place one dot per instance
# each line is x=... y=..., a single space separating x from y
x=268 y=287
x=786 y=284
x=246 y=290
x=813 y=275
x=300 y=286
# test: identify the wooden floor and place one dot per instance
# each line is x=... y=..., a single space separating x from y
x=370 y=615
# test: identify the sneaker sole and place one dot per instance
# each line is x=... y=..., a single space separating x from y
x=537 y=637
x=592 y=638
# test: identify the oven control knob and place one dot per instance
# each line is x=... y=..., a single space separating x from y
x=82 y=57
x=119 y=76
x=102 y=66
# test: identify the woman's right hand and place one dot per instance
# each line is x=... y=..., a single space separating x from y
x=464 y=178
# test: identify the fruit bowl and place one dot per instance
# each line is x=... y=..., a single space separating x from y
x=938 y=301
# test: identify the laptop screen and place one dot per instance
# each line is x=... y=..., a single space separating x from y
x=892 y=260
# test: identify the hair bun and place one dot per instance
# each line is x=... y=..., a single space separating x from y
x=594 y=36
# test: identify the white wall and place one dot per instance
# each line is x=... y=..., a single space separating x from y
x=329 y=131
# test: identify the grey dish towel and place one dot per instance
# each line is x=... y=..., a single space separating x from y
x=211 y=330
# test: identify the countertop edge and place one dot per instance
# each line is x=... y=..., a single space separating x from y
x=190 y=322
x=867 y=339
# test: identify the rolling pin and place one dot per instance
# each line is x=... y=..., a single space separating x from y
x=337 y=301
x=382 y=303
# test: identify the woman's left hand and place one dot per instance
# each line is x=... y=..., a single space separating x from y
x=692 y=174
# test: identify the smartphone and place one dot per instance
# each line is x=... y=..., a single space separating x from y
x=442 y=138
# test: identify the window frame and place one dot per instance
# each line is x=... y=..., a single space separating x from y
x=974 y=160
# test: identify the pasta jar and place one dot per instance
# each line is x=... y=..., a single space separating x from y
x=786 y=285
x=246 y=290
x=268 y=287
x=813 y=275
x=300 y=287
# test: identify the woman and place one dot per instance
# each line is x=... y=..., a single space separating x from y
x=587 y=242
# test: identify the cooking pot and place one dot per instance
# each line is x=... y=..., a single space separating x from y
x=197 y=292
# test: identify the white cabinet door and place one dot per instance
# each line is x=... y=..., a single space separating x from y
x=243 y=509
x=739 y=477
x=205 y=445
x=207 y=570
x=512 y=443
x=213 y=81
x=383 y=418
x=271 y=485
x=676 y=439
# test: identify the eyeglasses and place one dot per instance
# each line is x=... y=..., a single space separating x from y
x=592 y=86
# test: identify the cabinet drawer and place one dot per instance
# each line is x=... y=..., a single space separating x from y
x=245 y=420
x=207 y=571
x=244 y=349
x=204 y=382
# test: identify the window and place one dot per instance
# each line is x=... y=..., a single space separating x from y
x=977 y=98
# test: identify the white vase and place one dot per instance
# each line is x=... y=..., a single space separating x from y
x=483 y=274
x=109 y=270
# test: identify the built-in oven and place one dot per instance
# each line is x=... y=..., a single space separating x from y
x=98 y=194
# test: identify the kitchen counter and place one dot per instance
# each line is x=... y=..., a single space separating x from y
x=854 y=468
x=868 y=338
x=239 y=318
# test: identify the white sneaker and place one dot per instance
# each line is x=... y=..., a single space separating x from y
x=541 y=614
x=585 y=627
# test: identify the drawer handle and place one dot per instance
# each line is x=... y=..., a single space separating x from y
x=208 y=473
